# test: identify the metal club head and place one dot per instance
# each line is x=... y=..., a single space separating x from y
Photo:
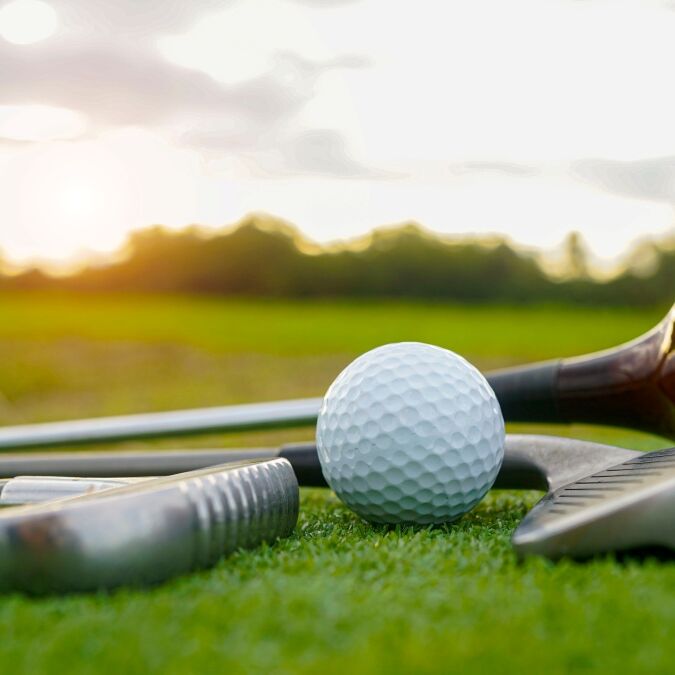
x=147 y=531
x=626 y=506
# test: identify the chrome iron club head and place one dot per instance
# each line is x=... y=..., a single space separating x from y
x=625 y=506
x=147 y=531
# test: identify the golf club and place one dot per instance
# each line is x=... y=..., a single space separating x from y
x=599 y=498
x=147 y=531
x=632 y=385
x=530 y=462
x=626 y=506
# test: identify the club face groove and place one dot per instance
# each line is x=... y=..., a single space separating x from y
x=146 y=532
x=629 y=505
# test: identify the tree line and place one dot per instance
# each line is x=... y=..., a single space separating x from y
x=264 y=257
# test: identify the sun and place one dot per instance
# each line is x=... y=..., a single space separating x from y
x=24 y=22
x=80 y=213
x=69 y=201
x=80 y=201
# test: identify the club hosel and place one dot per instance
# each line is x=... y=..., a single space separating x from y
x=305 y=463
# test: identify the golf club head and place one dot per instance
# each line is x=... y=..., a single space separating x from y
x=626 y=506
x=147 y=531
x=631 y=385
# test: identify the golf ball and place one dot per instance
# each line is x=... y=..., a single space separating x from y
x=410 y=433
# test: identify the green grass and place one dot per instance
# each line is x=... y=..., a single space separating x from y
x=284 y=328
x=339 y=595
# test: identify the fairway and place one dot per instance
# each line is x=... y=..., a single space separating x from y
x=340 y=595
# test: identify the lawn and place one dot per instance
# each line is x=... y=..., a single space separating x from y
x=339 y=595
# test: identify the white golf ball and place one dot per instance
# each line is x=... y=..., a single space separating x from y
x=410 y=433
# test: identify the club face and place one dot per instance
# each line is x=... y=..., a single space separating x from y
x=626 y=506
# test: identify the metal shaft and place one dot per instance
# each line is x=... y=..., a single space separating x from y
x=630 y=385
x=278 y=414
x=113 y=464
x=530 y=462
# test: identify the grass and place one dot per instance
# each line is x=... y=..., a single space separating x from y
x=339 y=595
x=283 y=328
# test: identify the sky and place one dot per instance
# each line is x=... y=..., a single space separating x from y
x=523 y=118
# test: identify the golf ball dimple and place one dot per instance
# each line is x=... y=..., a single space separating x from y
x=409 y=432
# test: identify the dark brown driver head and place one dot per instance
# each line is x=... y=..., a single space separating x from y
x=632 y=385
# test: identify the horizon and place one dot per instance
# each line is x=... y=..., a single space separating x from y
x=554 y=261
x=115 y=117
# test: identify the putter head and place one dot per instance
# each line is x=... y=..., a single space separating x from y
x=148 y=531
x=627 y=506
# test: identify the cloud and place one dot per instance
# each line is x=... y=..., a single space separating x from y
x=648 y=179
x=639 y=4
x=132 y=17
x=507 y=168
x=116 y=84
x=325 y=4
x=323 y=152
x=93 y=68
x=13 y=143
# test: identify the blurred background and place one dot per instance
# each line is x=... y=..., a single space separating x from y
x=221 y=201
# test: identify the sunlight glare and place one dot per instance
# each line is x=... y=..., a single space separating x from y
x=24 y=22
x=80 y=201
x=40 y=122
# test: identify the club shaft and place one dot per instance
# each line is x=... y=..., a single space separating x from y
x=530 y=462
x=112 y=464
x=525 y=394
x=632 y=385
x=253 y=416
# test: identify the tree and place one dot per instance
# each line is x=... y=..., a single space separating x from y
x=576 y=256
